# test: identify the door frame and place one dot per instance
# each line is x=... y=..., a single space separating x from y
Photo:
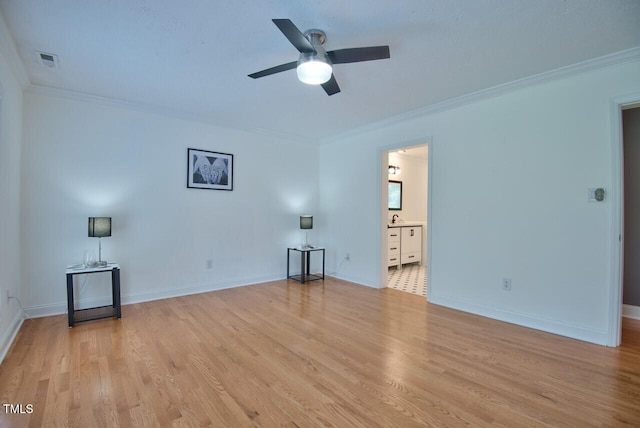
x=383 y=158
x=617 y=218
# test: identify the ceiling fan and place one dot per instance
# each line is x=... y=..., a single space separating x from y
x=314 y=66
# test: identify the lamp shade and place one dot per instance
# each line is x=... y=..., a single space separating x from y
x=99 y=227
x=313 y=69
x=306 y=222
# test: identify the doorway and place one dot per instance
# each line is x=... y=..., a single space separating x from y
x=631 y=212
x=619 y=234
x=405 y=220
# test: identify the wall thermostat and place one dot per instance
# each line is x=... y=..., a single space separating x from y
x=596 y=194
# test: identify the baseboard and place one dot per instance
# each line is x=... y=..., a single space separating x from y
x=348 y=278
x=10 y=334
x=631 y=311
x=147 y=296
x=599 y=337
x=193 y=289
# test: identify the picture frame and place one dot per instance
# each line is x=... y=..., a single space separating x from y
x=209 y=170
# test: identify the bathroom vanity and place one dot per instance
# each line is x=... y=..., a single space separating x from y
x=404 y=244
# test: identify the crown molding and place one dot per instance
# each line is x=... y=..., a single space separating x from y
x=626 y=56
x=172 y=113
x=54 y=92
x=8 y=48
x=621 y=57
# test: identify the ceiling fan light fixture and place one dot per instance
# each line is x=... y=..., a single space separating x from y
x=313 y=70
x=314 y=65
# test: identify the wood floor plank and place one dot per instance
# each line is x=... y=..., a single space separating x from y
x=329 y=354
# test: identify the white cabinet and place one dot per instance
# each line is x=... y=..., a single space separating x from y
x=404 y=245
x=411 y=245
x=393 y=249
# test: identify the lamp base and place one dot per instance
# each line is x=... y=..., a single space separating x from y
x=101 y=264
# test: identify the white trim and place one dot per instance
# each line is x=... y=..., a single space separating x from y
x=61 y=308
x=629 y=55
x=354 y=280
x=617 y=233
x=429 y=213
x=598 y=337
x=383 y=203
x=630 y=311
x=10 y=334
x=173 y=113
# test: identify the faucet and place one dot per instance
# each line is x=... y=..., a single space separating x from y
x=394 y=218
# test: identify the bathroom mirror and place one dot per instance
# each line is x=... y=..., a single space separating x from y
x=395 y=195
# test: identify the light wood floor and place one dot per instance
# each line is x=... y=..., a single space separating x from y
x=324 y=354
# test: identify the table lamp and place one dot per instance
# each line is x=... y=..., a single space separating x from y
x=99 y=227
x=306 y=223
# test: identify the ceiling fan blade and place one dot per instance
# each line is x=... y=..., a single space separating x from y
x=274 y=70
x=331 y=86
x=342 y=56
x=294 y=35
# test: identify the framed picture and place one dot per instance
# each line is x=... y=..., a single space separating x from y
x=209 y=170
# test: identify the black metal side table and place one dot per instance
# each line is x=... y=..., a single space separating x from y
x=113 y=310
x=305 y=264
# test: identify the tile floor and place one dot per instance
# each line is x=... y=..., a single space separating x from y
x=412 y=278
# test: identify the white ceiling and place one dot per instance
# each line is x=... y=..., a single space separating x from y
x=416 y=152
x=191 y=57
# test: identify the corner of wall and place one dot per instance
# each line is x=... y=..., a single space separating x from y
x=6 y=340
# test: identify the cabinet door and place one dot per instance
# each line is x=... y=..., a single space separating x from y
x=411 y=239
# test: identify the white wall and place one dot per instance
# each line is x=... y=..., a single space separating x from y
x=509 y=199
x=350 y=204
x=10 y=138
x=83 y=159
x=414 y=186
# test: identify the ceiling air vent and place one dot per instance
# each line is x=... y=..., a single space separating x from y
x=47 y=59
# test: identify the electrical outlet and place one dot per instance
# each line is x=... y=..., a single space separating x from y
x=506 y=284
x=209 y=263
x=347 y=257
